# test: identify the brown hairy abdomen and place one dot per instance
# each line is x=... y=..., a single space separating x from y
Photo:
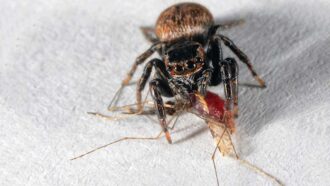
x=183 y=20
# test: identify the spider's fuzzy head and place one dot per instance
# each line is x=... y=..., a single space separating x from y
x=185 y=58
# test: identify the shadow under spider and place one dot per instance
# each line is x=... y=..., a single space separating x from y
x=195 y=133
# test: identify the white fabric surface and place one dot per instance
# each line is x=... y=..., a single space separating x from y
x=60 y=59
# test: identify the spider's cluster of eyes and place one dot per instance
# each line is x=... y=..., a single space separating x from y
x=183 y=66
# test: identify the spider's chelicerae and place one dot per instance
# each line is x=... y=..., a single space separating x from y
x=191 y=59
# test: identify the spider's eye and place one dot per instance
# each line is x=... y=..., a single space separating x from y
x=199 y=60
x=178 y=69
x=191 y=65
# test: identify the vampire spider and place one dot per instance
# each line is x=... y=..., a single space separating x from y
x=191 y=59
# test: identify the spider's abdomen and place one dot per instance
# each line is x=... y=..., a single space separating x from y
x=183 y=20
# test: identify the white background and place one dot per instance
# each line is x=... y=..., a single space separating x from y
x=60 y=59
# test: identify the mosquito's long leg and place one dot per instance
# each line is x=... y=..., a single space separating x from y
x=122 y=116
x=260 y=171
x=119 y=140
x=215 y=171
x=213 y=158
x=116 y=97
x=113 y=118
x=176 y=117
x=253 y=167
x=127 y=107
x=231 y=142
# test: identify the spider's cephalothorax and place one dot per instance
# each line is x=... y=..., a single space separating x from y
x=184 y=59
x=191 y=59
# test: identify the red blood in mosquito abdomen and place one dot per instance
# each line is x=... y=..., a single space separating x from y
x=213 y=107
x=214 y=103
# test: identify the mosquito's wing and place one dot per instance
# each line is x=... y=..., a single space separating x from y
x=219 y=130
x=221 y=136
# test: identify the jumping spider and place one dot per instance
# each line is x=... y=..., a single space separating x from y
x=191 y=59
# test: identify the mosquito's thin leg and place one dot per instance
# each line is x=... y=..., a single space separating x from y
x=115 y=97
x=169 y=122
x=251 y=166
x=216 y=172
x=119 y=140
x=231 y=142
x=175 y=121
x=122 y=116
x=113 y=118
x=128 y=107
x=260 y=171
x=213 y=158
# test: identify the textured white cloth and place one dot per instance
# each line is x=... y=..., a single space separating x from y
x=61 y=59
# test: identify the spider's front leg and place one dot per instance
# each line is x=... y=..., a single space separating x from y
x=139 y=60
x=225 y=71
x=161 y=72
x=243 y=57
x=159 y=104
x=149 y=34
x=229 y=73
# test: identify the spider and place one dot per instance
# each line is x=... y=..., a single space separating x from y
x=191 y=59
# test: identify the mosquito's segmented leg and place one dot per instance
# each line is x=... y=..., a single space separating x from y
x=213 y=157
x=119 y=140
x=251 y=166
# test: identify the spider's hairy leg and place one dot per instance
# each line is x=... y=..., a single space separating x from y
x=149 y=34
x=139 y=60
x=243 y=57
x=160 y=109
x=214 y=52
x=160 y=71
x=230 y=24
x=229 y=73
